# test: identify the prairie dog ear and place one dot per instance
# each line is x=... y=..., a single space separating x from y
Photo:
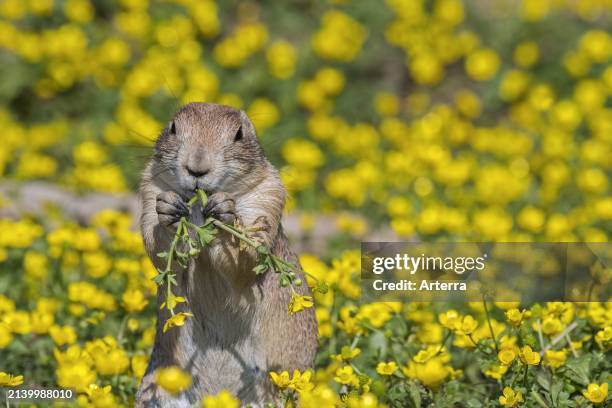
x=248 y=129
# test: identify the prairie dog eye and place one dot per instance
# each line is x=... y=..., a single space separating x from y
x=173 y=128
x=238 y=135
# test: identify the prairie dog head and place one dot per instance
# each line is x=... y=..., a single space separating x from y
x=211 y=147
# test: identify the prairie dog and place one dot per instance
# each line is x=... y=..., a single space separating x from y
x=240 y=330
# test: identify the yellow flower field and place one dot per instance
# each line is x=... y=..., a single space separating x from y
x=442 y=120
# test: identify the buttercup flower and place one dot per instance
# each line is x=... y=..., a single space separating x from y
x=347 y=353
x=223 y=399
x=299 y=303
x=596 y=393
x=514 y=317
x=346 y=375
x=510 y=397
x=134 y=300
x=301 y=381
x=497 y=371
x=528 y=356
x=386 y=368
x=177 y=320
x=449 y=319
x=9 y=380
x=281 y=380
x=507 y=355
x=173 y=379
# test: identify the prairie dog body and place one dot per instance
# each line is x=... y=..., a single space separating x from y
x=241 y=329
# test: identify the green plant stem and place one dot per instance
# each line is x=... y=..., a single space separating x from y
x=484 y=302
x=538 y=398
x=443 y=344
x=236 y=233
x=122 y=328
x=168 y=270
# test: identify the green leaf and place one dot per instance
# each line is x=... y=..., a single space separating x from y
x=579 y=369
x=260 y=269
x=206 y=235
x=557 y=387
x=415 y=394
x=544 y=378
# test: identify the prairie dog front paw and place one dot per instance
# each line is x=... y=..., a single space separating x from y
x=170 y=208
x=222 y=207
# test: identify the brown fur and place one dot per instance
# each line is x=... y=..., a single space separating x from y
x=241 y=329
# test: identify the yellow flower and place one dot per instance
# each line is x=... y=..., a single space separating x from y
x=79 y=11
x=172 y=301
x=109 y=358
x=514 y=317
x=507 y=355
x=5 y=336
x=347 y=353
x=426 y=69
x=177 y=320
x=482 y=64
x=468 y=103
x=41 y=322
x=596 y=393
x=223 y=399
x=526 y=54
x=466 y=326
x=552 y=325
x=496 y=371
x=133 y=325
x=139 y=365
x=386 y=104
x=35 y=264
x=532 y=219
x=263 y=113
x=597 y=45
x=340 y=37
x=8 y=380
x=299 y=303
x=329 y=80
x=555 y=359
x=301 y=381
x=281 y=57
x=449 y=11
x=510 y=398
x=101 y=396
x=602 y=337
x=346 y=376
x=449 y=319
x=386 y=368
x=173 y=379
x=528 y=356
x=97 y=264
x=74 y=368
x=134 y=301
x=281 y=380
x=63 y=334
x=302 y=154
x=431 y=373
x=425 y=355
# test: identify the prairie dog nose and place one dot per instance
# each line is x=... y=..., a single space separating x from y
x=196 y=173
x=197 y=165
